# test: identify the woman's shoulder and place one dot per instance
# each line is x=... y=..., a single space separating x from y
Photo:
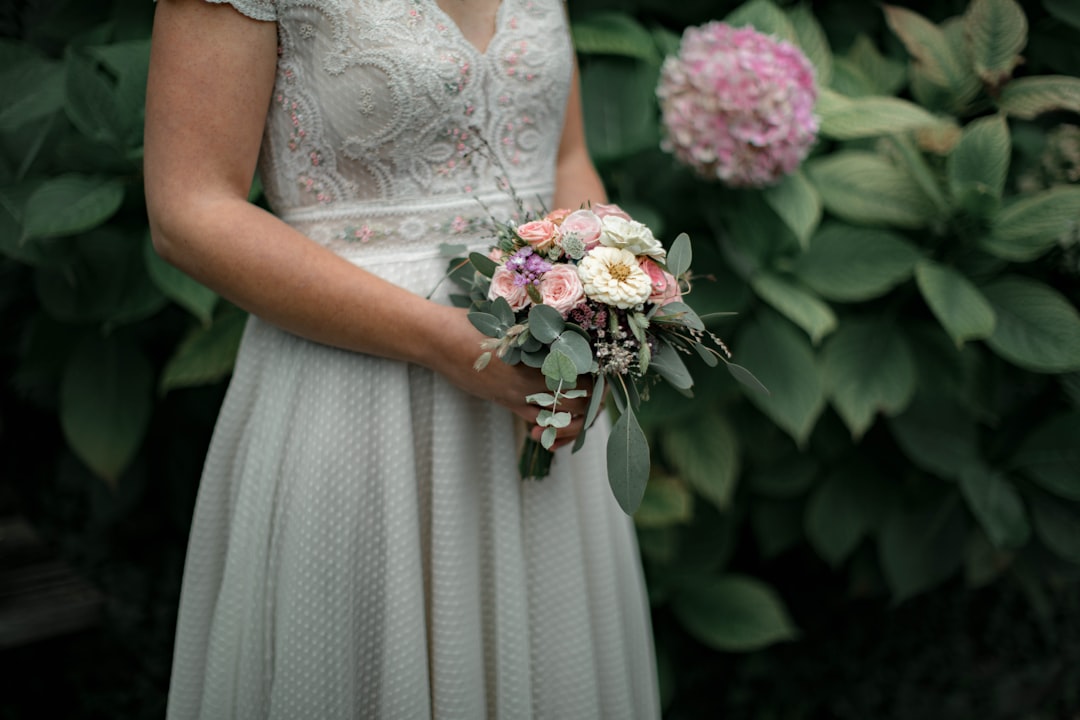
x=254 y=9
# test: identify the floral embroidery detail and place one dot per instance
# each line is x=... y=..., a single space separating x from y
x=412 y=228
x=365 y=101
x=307 y=31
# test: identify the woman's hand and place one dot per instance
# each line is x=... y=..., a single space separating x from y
x=507 y=385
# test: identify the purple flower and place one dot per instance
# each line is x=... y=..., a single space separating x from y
x=527 y=266
x=738 y=105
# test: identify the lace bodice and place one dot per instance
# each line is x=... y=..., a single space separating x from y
x=387 y=124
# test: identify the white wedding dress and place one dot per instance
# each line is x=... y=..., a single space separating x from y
x=362 y=546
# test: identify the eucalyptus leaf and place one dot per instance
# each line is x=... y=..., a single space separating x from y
x=487 y=324
x=669 y=365
x=680 y=255
x=483 y=264
x=577 y=349
x=596 y=400
x=559 y=367
x=545 y=323
x=628 y=461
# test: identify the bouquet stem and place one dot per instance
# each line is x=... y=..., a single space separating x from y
x=535 y=462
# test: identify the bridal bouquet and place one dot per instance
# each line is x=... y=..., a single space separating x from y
x=589 y=292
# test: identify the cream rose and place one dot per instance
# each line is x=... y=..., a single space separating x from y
x=630 y=235
x=560 y=287
x=503 y=286
x=665 y=288
x=612 y=276
x=540 y=234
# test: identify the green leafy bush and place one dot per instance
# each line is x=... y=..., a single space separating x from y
x=909 y=297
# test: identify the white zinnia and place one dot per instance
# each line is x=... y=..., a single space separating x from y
x=612 y=276
x=630 y=235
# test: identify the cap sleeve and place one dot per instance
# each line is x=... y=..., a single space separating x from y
x=255 y=9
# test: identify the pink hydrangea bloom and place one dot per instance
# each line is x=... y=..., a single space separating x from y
x=738 y=105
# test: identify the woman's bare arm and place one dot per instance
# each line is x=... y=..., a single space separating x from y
x=576 y=180
x=211 y=77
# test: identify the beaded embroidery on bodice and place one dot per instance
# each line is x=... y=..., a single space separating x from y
x=381 y=104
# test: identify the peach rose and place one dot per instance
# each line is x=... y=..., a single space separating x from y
x=540 y=234
x=503 y=285
x=585 y=225
x=665 y=288
x=560 y=287
x=609 y=210
x=557 y=216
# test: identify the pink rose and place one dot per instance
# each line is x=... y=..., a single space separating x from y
x=560 y=287
x=665 y=288
x=557 y=216
x=496 y=254
x=503 y=285
x=611 y=210
x=585 y=225
x=540 y=234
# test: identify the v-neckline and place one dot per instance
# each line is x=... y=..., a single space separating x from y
x=461 y=36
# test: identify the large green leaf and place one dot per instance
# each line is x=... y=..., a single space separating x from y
x=922 y=546
x=997 y=32
x=1030 y=96
x=628 y=461
x=1057 y=524
x=980 y=161
x=1065 y=10
x=1030 y=226
x=937 y=434
x=207 y=354
x=866 y=189
x=667 y=501
x=955 y=301
x=811 y=38
x=1050 y=455
x=614 y=33
x=90 y=101
x=764 y=16
x=885 y=74
x=705 y=453
x=1037 y=328
x=796 y=303
x=868 y=368
x=70 y=204
x=783 y=360
x=798 y=204
x=849 y=263
x=937 y=57
x=33 y=89
x=842 y=511
x=844 y=118
x=996 y=504
x=104 y=280
x=615 y=92
x=105 y=403
x=733 y=613
x=178 y=286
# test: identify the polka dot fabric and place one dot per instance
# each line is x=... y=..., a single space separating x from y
x=362 y=545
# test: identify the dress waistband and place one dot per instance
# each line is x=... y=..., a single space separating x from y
x=364 y=232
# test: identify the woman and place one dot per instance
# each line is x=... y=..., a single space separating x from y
x=362 y=546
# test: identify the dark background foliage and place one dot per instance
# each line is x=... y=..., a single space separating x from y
x=804 y=560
